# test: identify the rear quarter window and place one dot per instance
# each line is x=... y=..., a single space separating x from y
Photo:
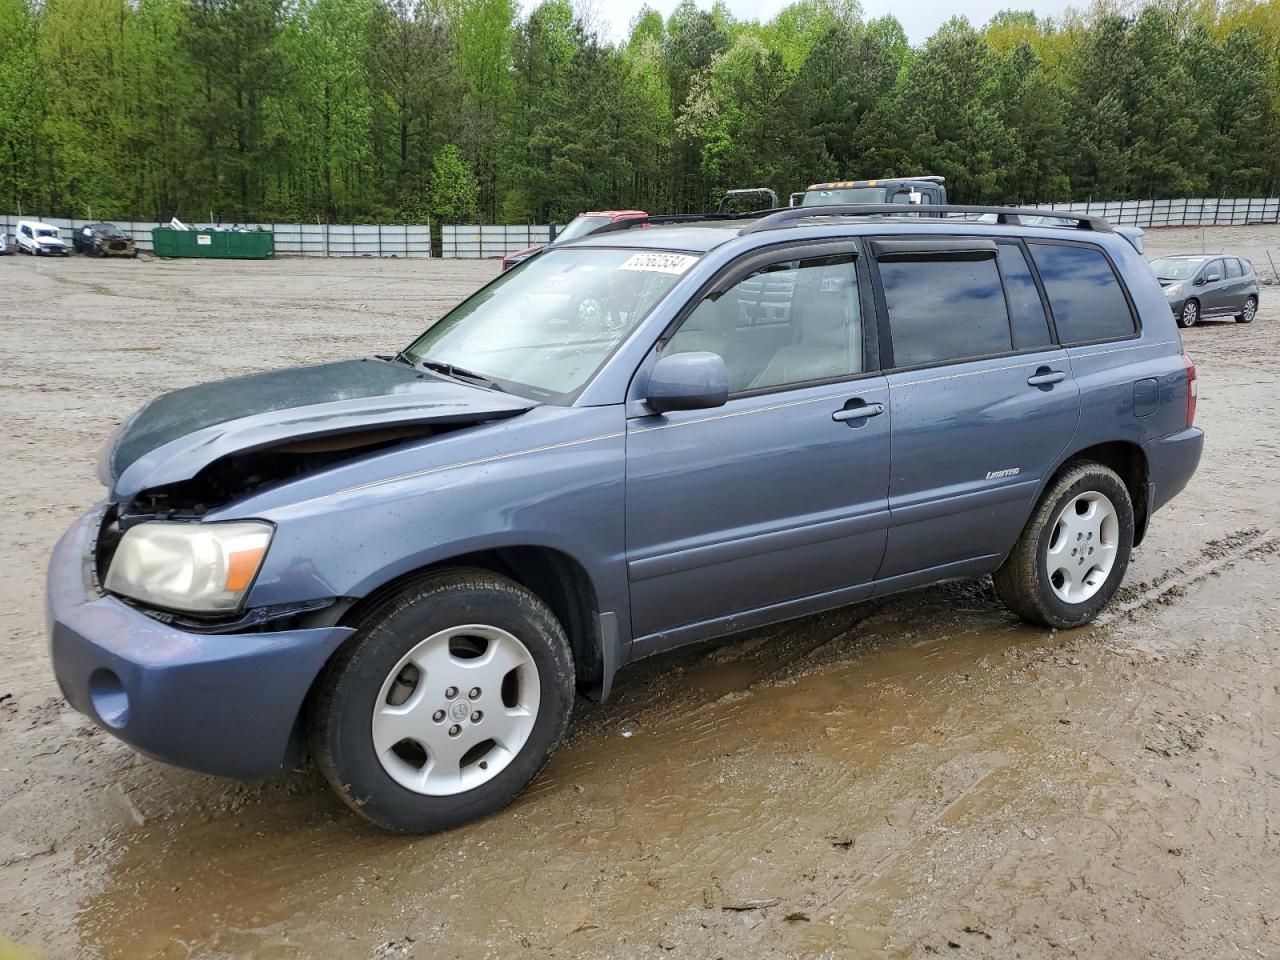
x=1084 y=293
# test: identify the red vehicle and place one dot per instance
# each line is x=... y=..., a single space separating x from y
x=584 y=224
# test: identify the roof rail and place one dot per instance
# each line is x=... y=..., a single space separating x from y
x=1004 y=215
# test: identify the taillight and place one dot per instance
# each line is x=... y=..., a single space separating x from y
x=1191 y=389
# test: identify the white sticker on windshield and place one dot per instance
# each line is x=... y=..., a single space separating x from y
x=660 y=262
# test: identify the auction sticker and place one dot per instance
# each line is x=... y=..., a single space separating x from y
x=660 y=262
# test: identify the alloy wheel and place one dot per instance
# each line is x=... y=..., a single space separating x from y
x=1083 y=547
x=456 y=710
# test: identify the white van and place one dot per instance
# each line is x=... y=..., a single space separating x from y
x=40 y=239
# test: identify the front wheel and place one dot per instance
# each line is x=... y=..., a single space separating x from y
x=445 y=704
x=1190 y=314
x=1074 y=551
x=1249 y=312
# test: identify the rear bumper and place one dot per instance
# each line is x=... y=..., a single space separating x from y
x=223 y=704
x=1171 y=462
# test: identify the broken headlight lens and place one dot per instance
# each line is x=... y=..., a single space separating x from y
x=194 y=567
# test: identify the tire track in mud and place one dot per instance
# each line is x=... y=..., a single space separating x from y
x=1215 y=556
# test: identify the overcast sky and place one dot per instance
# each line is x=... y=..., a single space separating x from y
x=919 y=19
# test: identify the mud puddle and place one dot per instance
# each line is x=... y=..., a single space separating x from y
x=824 y=795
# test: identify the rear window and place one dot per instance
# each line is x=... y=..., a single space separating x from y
x=941 y=310
x=827 y=198
x=1030 y=325
x=581 y=226
x=1084 y=293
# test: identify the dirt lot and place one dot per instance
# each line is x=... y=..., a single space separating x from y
x=918 y=776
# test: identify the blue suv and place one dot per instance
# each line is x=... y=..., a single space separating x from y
x=405 y=566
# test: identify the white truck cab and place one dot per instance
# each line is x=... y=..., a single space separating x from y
x=41 y=239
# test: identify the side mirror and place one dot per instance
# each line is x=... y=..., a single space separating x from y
x=1199 y=281
x=688 y=381
x=1214 y=277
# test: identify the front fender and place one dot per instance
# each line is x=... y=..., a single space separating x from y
x=560 y=486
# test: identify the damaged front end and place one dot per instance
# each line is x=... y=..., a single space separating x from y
x=196 y=451
x=115 y=246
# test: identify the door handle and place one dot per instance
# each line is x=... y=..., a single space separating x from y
x=1044 y=376
x=860 y=412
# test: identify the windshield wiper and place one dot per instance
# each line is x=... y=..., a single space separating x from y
x=460 y=373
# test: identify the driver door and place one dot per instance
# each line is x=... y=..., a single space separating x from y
x=1214 y=299
x=775 y=504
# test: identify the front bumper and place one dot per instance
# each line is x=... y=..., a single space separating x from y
x=1171 y=462
x=225 y=704
x=106 y=250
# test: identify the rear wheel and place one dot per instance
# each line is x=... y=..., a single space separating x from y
x=445 y=704
x=1074 y=550
x=1190 y=314
x=1249 y=312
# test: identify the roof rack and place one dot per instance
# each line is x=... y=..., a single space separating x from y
x=1004 y=215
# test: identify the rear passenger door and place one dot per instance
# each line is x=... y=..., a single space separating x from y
x=1236 y=284
x=983 y=401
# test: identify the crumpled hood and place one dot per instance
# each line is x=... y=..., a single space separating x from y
x=176 y=435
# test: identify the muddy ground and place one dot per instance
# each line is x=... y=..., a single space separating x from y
x=919 y=776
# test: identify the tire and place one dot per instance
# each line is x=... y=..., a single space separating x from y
x=1030 y=581
x=428 y=785
x=1250 y=310
x=1190 y=314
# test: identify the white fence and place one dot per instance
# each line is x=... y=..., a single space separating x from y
x=476 y=241
x=291 y=239
x=1184 y=212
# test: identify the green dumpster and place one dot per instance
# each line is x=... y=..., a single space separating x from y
x=214 y=244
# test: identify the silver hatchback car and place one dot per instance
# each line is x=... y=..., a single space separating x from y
x=1208 y=286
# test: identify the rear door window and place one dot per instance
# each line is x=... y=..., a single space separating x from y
x=944 y=310
x=1233 y=267
x=1084 y=293
x=1026 y=309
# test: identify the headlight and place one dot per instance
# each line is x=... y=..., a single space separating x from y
x=1173 y=289
x=198 y=567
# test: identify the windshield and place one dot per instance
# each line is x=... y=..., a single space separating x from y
x=108 y=230
x=1175 y=268
x=545 y=327
x=580 y=227
x=46 y=233
x=826 y=198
